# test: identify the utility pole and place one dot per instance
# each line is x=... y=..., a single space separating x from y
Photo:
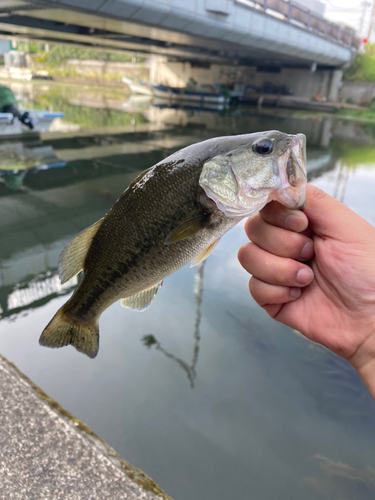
x=364 y=5
x=371 y=21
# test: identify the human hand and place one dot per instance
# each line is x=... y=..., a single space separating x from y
x=331 y=298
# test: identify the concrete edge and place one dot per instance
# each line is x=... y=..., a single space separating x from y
x=137 y=475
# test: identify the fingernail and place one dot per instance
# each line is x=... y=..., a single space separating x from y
x=295 y=292
x=307 y=250
x=304 y=276
x=295 y=223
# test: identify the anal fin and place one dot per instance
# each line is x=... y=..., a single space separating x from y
x=142 y=300
x=203 y=255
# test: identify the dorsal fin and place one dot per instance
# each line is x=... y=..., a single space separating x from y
x=142 y=300
x=73 y=256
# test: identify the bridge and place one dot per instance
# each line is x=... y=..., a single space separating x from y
x=263 y=33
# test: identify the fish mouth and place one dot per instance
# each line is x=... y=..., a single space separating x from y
x=292 y=170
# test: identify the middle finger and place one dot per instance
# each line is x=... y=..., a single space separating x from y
x=279 y=241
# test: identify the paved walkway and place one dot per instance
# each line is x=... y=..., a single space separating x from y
x=47 y=454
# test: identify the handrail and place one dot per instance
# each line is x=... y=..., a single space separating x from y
x=312 y=21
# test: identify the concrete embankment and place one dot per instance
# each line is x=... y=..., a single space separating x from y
x=46 y=453
x=358 y=92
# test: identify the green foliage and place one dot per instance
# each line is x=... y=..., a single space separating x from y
x=87 y=117
x=363 y=68
x=353 y=155
x=361 y=114
x=59 y=54
x=34 y=48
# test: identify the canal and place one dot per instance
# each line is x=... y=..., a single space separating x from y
x=203 y=392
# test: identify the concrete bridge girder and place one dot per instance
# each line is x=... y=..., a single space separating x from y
x=244 y=27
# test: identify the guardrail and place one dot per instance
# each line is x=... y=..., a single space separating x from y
x=301 y=16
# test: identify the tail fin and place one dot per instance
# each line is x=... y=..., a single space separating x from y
x=63 y=330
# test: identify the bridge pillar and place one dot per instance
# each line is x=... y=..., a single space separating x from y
x=334 y=87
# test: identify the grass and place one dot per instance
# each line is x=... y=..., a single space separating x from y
x=364 y=114
x=85 y=116
x=59 y=54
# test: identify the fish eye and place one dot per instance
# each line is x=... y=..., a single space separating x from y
x=263 y=147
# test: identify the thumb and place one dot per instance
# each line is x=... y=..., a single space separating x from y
x=329 y=218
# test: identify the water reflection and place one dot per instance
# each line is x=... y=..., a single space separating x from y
x=343 y=393
x=339 y=480
x=265 y=401
x=34 y=293
x=19 y=159
x=150 y=340
x=343 y=175
x=254 y=330
x=13 y=180
x=43 y=208
x=87 y=106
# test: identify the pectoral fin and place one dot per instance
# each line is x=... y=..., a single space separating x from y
x=73 y=256
x=203 y=255
x=142 y=300
x=186 y=229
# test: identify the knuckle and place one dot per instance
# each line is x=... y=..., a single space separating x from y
x=295 y=244
x=255 y=291
x=252 y=290
x=281 y=273
x=253 y=286
x=243 y=253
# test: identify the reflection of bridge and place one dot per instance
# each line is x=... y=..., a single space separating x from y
x=259 y=32
x=54 y=205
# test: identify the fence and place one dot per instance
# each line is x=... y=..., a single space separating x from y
x=297 y=14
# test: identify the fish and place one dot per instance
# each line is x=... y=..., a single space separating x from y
x=173 y=213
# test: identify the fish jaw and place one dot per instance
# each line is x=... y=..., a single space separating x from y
x=241 y=182
x=292 y=171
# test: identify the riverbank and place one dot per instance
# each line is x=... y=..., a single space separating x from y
x=110 y=105
x=47 y=453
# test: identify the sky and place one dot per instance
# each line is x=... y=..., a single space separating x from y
x=349 y=12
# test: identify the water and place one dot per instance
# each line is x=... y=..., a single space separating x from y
x=203 y=391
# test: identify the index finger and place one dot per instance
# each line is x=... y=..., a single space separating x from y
x=276 y=214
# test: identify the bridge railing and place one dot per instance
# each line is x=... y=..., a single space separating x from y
x=297 y=14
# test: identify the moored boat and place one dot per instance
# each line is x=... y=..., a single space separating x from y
x=138 y=86
x=182 y=94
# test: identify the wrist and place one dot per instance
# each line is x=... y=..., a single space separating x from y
x=364 y=363
x=367 y=374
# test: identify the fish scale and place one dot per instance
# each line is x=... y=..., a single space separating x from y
x=170 y=215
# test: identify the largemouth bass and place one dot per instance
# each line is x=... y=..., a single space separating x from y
x=171 y=214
